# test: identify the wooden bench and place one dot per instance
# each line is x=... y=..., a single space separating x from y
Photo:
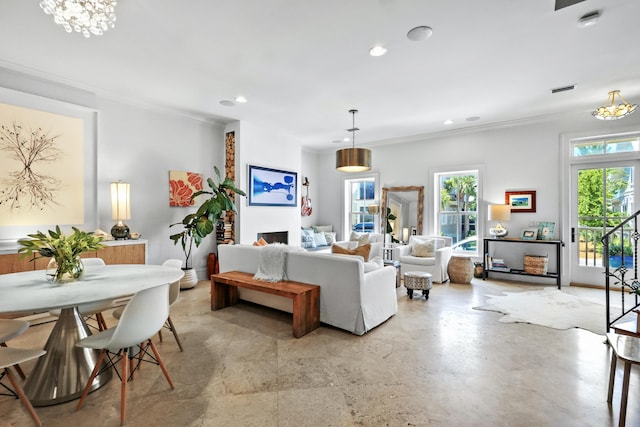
x=306 y=297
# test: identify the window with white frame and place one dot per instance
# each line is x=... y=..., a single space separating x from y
x=456 y=212
x=361 y=205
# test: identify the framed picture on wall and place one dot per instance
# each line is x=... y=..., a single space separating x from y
x=272 y=187
x=520 y=201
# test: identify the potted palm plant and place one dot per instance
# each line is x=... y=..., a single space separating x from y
x=198 y=225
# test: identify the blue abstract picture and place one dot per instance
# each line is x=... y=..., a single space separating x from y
x=272 y=187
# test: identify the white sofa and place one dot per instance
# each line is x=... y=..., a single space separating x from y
x=350 y=299
x=436 y=265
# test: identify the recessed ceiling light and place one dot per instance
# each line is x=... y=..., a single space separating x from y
x=227 y=103
x=241 y=99
x=419 y=33
x=589 y=19
x=473 y=118
x=377 y=51
x=448 y=122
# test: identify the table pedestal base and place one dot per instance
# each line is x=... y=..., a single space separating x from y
x=62 y=373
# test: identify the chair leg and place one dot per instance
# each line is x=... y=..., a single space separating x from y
x=161 y=363
x=102 y=324
x=160 y=335
x=16 y=366
x=123 y=389
x=175 y=333
x=96 y=368
x=23 y=397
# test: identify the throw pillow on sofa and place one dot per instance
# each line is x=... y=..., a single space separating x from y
x=361 y=238
x=261 y=242
x=362 y=250
x=425 y=249
x=330 y=237
x=322 y=228
x=308 y=241
x=319 y=239
x=373 y=264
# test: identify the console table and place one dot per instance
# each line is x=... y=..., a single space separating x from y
x=557 y=244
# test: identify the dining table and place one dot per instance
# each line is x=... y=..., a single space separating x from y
x=62 y=373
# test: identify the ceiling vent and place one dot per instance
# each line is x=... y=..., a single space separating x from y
x=563 y=89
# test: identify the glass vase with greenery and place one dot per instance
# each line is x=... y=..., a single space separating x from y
x=63 y=249
x=196 y=226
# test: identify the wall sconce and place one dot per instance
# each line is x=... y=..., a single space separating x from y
x=499 y=213
x=120 y=209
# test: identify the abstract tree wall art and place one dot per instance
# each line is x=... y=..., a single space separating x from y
x=41 y=167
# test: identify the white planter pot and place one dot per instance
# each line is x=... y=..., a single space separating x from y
x=189 y=280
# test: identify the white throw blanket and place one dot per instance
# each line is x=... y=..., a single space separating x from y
x=273 y=262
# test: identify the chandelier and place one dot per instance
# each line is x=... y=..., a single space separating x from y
x=353 y=159
x=82 y=16
x=612 y=111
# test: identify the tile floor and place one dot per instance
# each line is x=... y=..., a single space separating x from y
x=436 y=363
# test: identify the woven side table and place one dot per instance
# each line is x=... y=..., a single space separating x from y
x=418 y=280
x=460 y=269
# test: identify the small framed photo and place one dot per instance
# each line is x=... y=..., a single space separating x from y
x=529 y=234
x=545 y=230
x=520 y=201
x=272 y=187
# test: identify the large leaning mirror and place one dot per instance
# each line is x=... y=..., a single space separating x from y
x=406 y=205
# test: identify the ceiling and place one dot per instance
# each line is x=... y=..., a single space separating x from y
x=303 y=64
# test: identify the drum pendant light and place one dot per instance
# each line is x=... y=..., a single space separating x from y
x=353 y=159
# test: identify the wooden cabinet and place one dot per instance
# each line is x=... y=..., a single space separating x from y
x=115 y=252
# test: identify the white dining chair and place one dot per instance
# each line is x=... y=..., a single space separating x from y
x=9 y=329
x=10 y=356
x=141 y=319
x=174 y=294
x=92 y=310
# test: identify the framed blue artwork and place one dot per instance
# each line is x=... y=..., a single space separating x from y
x=272 y=187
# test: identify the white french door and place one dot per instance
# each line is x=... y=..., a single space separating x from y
x=602 y=195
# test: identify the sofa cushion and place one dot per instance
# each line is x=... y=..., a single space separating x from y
x=361 y=238
x=374 y=264
x=319 y=239
x=410 y=259
x=362 y=250
x=308 y=240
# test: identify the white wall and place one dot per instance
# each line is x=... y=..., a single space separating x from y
x=139 y=145
x=260 y=146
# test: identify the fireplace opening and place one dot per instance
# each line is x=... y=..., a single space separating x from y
x=275 y=237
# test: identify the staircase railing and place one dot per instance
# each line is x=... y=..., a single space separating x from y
x=621 y=277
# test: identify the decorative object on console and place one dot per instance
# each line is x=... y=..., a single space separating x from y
x=529 y=234
x=545 y=230
x=610 y=111
x=499 y=213
x=198 y=225
x=82 y=16
x=182 y=185
x=272 y=187
x=120 y=209
x=64 y=251
x=521 y=201
x=353 y=159
x=306 y=201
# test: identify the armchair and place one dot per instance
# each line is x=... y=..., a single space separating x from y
x=436 y=264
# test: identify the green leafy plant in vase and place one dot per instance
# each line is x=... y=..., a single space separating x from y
x=196 y=226
x=64 y=251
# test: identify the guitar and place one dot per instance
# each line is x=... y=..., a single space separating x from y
x=306 y=201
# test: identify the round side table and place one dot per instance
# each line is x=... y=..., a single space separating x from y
x=418 y=280
x=460 y=269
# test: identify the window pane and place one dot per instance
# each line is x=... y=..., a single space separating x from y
x=595 y=148
x=362 y=194
x=457 y=213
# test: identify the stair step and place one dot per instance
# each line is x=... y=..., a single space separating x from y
x=627 y=328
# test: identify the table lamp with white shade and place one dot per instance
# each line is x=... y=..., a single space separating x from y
x=499 y=213
x=120 y=209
